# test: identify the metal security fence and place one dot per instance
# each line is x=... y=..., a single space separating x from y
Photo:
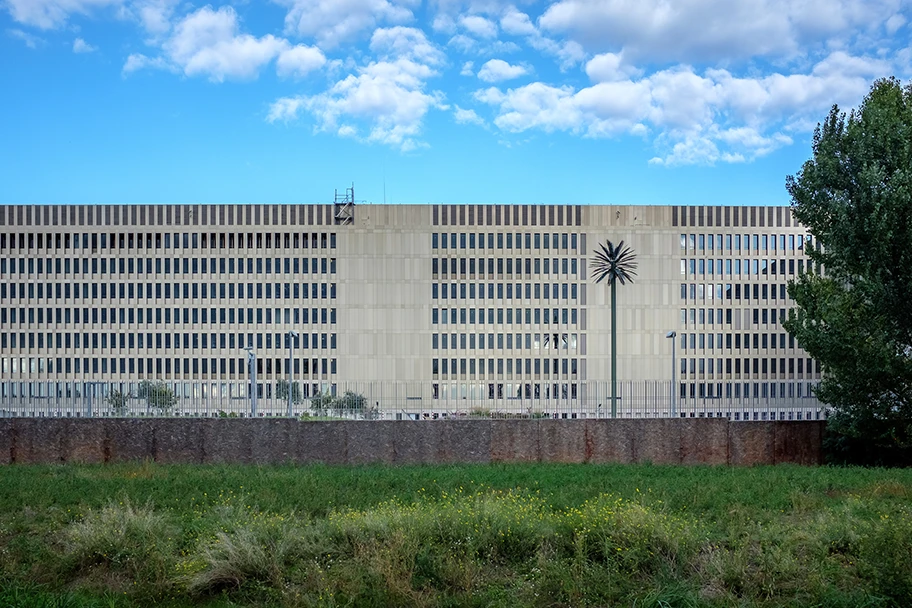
x=745 y=401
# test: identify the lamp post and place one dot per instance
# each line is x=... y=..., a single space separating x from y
x=292 y=336
x=251 y=363
x=672 y=335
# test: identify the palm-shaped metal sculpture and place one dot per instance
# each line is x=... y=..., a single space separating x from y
x=617 y=264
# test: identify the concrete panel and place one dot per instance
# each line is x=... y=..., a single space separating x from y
x=798 y=442
x=610 y=440
x=661 y=441
x=415 y=441
x=325 y=442
x=465 y=441
x=562 y=440
x=39 y=440
x=658 y=441
x=227 y=440
x=177 y=441
x=84 y=441
x=371 y=441
x=751 y=443
x=6 y=440
x=272 y=441
x=703 y=441
x=513 y=440
x=128 y=439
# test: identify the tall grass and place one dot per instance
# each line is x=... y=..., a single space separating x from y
x=534 y=535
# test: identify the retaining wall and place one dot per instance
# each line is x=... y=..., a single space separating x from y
x=277 y=440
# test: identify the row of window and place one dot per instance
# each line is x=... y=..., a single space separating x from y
x=220 y=316
x=104 y=266
x=156 y=366
x=751 y=242
x=555 y=266
x=755 y=267
x=182 y=390
x=761 y=365
x=204 y=291
x=713 y=341
x=729 y=291
x=181 y=240
x=187 y=340
x=746 y=390
x=499 y=367
x=714 y=316
x=549 y=341
x=536 y=240
x=504 y=316
x=509 y=390
x=506 y=291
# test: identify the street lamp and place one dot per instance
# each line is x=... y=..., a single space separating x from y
x=672 y=335
x=292 y=336
x=251 y=365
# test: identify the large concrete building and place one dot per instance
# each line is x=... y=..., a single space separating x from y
x=420 y=308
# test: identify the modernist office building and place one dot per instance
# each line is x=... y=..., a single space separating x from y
x=427 y=307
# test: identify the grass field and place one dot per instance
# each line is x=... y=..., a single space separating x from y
x=517 y=535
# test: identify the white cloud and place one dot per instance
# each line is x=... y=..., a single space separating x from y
x=467 y=69
x=497 y=70
x=50 y=14
x=334 y=22
x=698 y=118
x=714 y=30
x=479 y=26
x=463 y=116
x=207 y=42
x=300 y=60
x=29 y=40
x=387 y=96
x=81 y=46
x=517 y=23
x=138 y=61
x=405 y=42
x=569 y=53
x=609 y=67
x=155 y=15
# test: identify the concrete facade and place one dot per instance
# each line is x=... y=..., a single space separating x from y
x=420 y=308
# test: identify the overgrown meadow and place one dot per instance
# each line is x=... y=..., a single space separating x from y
x=511 y=535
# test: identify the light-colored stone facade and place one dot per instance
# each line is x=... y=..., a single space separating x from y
x=417 y=307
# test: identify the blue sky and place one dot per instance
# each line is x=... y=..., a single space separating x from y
x=451 y=101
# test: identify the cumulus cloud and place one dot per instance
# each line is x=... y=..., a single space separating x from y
x=699 y=118
x=209 y=43
x=155 y=15
x=497 y=70
x=517 y=23
x=81 y=46
x=608 y=67
x=333 y=22
x=298 y=61
x=713 y=30
x=464 y=116
x=50 y=14
x=467 y=69
x=138 y=61
x=387 y=97
x=479 y=26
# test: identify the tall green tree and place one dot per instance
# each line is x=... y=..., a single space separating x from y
x=617 y=265
x=853 y=310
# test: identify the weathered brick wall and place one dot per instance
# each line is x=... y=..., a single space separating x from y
x=276 y=440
